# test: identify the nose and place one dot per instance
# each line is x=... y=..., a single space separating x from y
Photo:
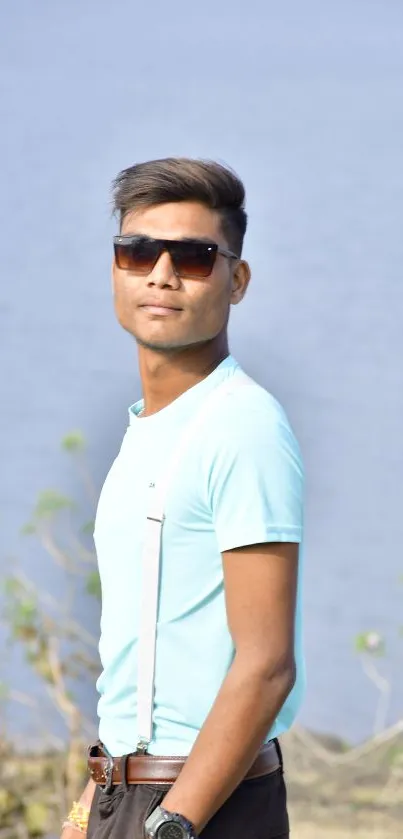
x=163 y=273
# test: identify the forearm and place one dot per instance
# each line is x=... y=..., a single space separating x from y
x=86 y=798
x=243 y=713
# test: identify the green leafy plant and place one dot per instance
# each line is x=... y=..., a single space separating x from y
x=56 y=644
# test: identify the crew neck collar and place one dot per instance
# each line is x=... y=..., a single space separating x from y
x=196 y=390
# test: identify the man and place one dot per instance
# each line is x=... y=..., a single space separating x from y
x=200 y=629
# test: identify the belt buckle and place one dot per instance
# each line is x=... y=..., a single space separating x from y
x=108 y=774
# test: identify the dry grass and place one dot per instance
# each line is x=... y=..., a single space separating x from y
x=339 y=798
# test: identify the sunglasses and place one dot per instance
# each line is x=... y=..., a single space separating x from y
x=190 y=258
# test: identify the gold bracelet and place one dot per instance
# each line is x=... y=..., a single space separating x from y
x=78 y=817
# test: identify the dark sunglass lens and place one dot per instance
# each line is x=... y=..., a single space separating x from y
x=193 y=259
x=139 y=257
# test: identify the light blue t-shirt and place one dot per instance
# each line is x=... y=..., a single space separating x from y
x=240 y=483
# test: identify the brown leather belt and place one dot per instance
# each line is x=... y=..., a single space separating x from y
x=152 y=769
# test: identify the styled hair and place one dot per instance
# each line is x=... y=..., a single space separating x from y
x=183 y=179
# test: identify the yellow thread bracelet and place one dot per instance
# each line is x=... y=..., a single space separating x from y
x=78 y=817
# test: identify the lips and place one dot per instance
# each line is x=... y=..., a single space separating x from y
x=157 y=308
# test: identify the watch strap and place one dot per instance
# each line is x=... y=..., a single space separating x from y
x=185 y=823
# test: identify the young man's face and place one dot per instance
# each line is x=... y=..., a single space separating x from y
x=164 y=311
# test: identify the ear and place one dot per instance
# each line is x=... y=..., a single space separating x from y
x=113 y=276
x=240 y=281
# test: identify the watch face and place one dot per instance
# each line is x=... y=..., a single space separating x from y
x=171 y=830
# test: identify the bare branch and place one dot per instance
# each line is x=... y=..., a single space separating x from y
x=22 y=698
x=71 y=627
x=353 y=754
x=86 y=477
x=58 y=691
x=47 y=540
x=86 y=556
x=384 y=688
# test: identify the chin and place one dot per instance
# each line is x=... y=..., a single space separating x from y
x=168 y=345
x=158 y=343
x=165 y=343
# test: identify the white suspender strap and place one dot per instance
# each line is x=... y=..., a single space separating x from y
x=150 y=570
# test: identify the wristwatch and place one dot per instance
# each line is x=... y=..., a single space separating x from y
x=164 y=825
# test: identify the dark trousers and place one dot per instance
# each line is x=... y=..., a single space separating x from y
x=257 y=809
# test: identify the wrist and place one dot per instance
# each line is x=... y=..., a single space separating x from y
x=78 y=819
x=69 y=830
x=164 y=822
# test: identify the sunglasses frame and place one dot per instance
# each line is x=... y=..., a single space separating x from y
x=166 y=245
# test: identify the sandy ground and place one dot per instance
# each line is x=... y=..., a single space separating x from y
x=313 y=832
x=373 y=828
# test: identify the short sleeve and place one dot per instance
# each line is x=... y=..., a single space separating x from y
x=257 y=480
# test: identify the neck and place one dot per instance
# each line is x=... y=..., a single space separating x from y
x=166 y=375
